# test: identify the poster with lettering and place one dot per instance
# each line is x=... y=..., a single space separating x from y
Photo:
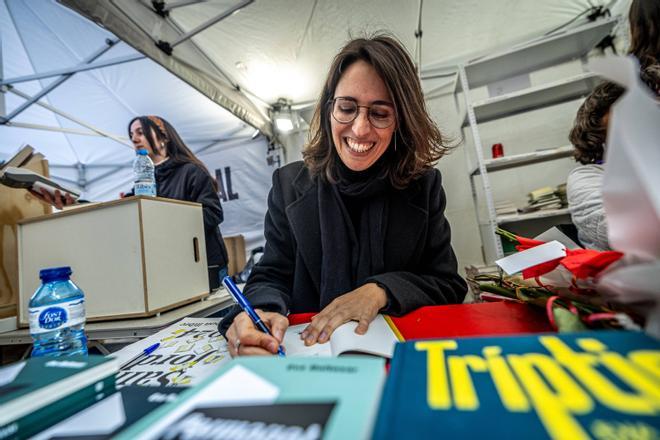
x=187 y=352
x=589 y=385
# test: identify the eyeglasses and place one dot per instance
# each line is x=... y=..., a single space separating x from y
x=346 y=110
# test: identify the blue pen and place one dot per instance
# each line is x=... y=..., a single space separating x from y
x=244 y=304
x=146 y=352
x=150 y=349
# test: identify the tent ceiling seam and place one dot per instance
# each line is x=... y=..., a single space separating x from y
x=71 y=118
x=73 y=69
x=231 y=82
x=306 y=30
x=32 y=65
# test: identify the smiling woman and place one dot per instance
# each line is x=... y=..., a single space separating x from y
x=358 y=228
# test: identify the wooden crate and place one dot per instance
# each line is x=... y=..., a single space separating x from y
x=17 y=204
x=132 y=257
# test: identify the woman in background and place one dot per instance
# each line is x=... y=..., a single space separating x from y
x=179 y=175
x=584 y=184
x=588 y=136
x=358 y=228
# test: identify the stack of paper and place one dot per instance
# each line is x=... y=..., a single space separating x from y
x=505 y=207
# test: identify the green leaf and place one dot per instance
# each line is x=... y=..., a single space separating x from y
x=567 y=321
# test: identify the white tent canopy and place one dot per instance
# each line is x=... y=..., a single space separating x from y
x=41 y=37
x=268 y=50
x=219 y=84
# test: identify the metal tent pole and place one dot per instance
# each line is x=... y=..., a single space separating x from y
x=32 y=99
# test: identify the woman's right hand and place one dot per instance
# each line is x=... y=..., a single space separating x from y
x=58 y=200
x=244 y=339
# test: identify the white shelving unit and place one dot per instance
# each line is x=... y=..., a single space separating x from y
x=543 y=52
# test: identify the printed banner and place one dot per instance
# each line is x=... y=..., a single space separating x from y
x=243 y=172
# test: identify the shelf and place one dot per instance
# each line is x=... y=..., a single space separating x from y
x=532 y=215
x=533 y=98
x=519 y=160
x=535 y=55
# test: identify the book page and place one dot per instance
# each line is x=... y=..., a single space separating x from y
x=379 y=340
x=294 y=346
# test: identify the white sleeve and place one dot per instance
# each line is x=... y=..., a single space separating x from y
x=584 y=190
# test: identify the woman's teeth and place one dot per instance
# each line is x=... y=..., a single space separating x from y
x=359 y=147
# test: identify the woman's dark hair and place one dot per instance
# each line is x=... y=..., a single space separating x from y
x=419 y=143
x=589 y=131
x=644 y=19
x=157 y=130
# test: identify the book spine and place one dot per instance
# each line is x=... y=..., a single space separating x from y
x=47 y=416
x=390 y=397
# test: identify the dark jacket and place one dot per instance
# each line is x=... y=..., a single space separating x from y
x=420 y=265
x=187 y=181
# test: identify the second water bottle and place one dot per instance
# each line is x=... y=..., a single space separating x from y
x=145 y=180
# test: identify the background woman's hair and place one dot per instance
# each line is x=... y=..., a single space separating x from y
x=177 y=150
x=419 y=143
x=589 y=131
x=644 y=20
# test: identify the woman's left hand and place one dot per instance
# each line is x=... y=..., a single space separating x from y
x=361 y=305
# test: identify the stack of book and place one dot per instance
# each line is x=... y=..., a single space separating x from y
x=542 y=199
x=39 y=392
x=505 y=207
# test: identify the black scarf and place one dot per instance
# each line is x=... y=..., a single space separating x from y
x=351 y=254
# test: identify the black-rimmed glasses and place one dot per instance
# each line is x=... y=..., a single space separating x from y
x=345 y=111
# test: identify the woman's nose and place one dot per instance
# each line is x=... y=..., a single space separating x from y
x=361 y=124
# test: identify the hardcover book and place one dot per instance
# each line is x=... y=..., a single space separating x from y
x=273 y=397
x=112 y=414
x=598 y=384
x=39 y=392
x=28 y=179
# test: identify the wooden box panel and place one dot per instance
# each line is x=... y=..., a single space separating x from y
x=16 y=204
x=169 y=231
x=235 y=245
x=131 y=257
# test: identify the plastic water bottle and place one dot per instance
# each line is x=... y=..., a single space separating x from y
x=145 y=181
x=57 y=315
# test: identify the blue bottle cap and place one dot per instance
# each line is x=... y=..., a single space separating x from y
x=142 y=152
x=55 y=273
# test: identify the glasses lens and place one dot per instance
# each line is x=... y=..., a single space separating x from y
x=344 y=110
x=381 y=116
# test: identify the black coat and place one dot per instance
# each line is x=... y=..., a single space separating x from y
x=420 y=265
x=187 y=181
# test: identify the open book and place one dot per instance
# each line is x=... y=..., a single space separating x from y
x=378 y=341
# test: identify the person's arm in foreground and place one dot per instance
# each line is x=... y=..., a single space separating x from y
x=269 y=286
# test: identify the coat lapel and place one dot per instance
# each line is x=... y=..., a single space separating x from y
x=406 y=223
x=306 y=226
